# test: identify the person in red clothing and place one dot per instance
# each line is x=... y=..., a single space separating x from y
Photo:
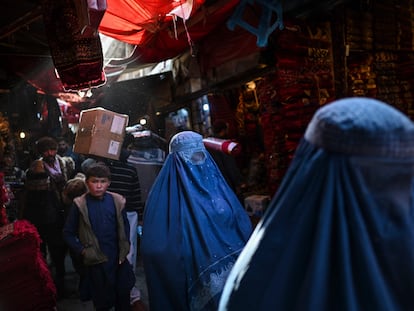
x=23 y=269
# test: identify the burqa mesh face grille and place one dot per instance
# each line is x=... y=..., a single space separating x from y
x=189 y=145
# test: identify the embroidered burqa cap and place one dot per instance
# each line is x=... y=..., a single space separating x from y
x=339 y=233
x=186 y=141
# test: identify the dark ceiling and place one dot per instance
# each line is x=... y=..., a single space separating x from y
x=22 y=39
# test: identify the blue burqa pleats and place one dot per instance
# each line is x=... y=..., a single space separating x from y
x=339 y=233
x=194 y=229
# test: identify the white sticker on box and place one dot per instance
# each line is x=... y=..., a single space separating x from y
x=118 y=125
x=113 y=147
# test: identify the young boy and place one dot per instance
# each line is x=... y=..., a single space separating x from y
x=97 y=229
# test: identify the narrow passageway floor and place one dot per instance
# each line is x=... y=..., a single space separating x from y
x=71 y=300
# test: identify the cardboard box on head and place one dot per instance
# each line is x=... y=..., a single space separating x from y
x=101 y=132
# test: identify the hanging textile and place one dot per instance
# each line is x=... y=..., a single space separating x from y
x=71 y=28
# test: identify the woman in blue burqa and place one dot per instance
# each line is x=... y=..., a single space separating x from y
x=339 y=233
x=194 y=229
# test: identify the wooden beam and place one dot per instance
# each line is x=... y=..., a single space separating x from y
x=21 y=22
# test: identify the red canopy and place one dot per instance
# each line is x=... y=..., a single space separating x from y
x=149 y=24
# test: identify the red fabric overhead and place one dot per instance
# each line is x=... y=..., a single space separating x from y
x=145 y=24
x=127 y=20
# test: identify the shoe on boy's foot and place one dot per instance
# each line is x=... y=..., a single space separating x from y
x=138 y=305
